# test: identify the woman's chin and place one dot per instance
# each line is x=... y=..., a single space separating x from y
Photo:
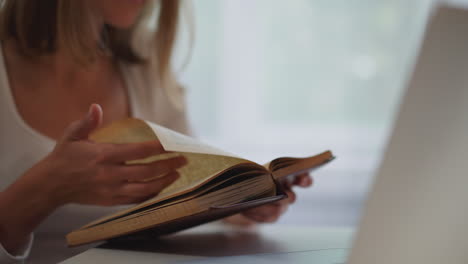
x=122 y=23
x=121 y=14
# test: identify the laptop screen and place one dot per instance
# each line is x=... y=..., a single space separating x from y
x=417 y=211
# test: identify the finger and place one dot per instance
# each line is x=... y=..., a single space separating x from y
x=148 y=189
x=150 y=171
x=81 y=129
x=306 y=181
x=303 y=180
x=239 y=220
x=298 y=178
x=309 y=181
x=261 y=218
x=266 y=214
x=291 y=197
x=119 y=153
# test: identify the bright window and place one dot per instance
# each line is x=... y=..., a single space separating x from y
x=271 y=77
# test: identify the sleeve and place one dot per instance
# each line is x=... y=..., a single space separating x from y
x=20 y=257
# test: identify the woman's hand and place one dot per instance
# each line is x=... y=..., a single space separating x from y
x=84 y=172
x=270 y=213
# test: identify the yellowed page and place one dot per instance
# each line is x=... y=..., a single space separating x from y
x=202 y=163
x=201 y=167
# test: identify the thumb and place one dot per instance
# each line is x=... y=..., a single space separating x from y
x=81 y=129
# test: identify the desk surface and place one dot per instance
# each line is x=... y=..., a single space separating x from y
x=210 y=242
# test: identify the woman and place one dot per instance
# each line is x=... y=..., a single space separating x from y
x=57 y=58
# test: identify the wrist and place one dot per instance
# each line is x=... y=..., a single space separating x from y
x=25 y=204
x=40 y=183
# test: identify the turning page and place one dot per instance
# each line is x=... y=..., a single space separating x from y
x=204 y=161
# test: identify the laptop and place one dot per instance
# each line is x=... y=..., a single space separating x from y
x=417 y=210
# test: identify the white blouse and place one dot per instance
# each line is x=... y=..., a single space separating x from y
x=21 y=147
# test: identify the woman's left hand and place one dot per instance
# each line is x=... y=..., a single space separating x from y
x=270 y=213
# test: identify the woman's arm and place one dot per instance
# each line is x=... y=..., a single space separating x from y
x=83 y=172
x=24 y=205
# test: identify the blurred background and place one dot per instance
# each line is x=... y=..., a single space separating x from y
x=271 y=78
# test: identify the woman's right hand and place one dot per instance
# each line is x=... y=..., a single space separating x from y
x=84 y=172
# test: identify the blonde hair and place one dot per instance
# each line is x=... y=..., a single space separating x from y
x=39 y=26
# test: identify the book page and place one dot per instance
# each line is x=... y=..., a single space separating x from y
x=203 y=161
x=174 y=141
x=201 y=166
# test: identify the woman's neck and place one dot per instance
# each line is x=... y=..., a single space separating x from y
x=60 y=67
x=53 y=90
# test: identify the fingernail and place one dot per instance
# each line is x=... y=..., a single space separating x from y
x=90 y=110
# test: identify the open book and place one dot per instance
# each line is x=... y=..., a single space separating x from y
x=214 y=184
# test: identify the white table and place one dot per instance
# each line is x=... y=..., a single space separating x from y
x=217 y=244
